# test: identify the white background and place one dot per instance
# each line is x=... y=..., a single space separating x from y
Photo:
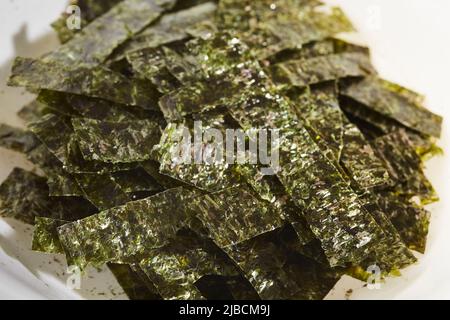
x=410 y=42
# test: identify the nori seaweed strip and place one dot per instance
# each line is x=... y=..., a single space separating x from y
x=90 y=10
x=101 y=190
x=406 y=166
x=234 y=215
x=98 y=40
x=136 y=180
x=188 y=260
x=97 y=82
x=278 y=272
x=62 y=184
x=45 y=235
x=76 y=164
x=411 y=221
x=390 y=254
x=32 y=111
x=171 y=27
x=302 y=73
x=46 y=240
x=171 y=153
x=24 y=196
x=316 y=49
x=270 y=189
x=380 y=96
x=125 y=234
x=131 y=282
x=273 y=26
x=116 y=142
x=17 y=139
x=45 y=130
x=99 y=109
x=320 y=109
x=152 y=168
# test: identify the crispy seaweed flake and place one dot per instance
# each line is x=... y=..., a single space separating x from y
x=101 y=190
x=97 y=82
x=405 y=164
x=186 y=261
x=116 y=142
x=278 y=272
x=17 y=139
x=171 y=27
x=234 y=215
x=301 y=73
x=388 y=100
x=320 y=109
x=132 y=283
x=90 y=10
x=136 y=180
x=45 y=235
x=25 y=195
x=126 y=233
x=95 y=43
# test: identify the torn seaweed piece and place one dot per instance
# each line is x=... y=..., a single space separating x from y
x=302 y=73
x=95 y=43
x=152 y=168
x=410 y=220
x=45 y=130
x=131 y=283
x=90 y=10
x=390 y=253
x=319 y=107
x=101 y=190
x=45 y=235
x=125 y=234
x=405 y=164
x=17 y=139
x=269 y=188
x=97 y=82
x=62 y=184
x=116 y=142
x=186 y=261
x=278 y=272
x=24 y=196
x=273 y=26
x=234 y=215
x=57 y=103
x=32 y=111
x=187 y=153
x=170 y=28
x=76 y=164
x=136 y=180
x=380 y=96
x=100 y=109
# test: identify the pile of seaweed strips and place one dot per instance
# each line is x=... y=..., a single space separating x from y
x=350 y=192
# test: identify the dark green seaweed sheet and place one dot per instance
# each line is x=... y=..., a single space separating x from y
x=25 y=195
x=90 y=10
x=116 y=142
x=188 y=265
x=17 y=139
x=97 y=41
x=379 y=96
x=125 y=233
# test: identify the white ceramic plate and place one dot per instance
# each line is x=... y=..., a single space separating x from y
x=410 y=45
